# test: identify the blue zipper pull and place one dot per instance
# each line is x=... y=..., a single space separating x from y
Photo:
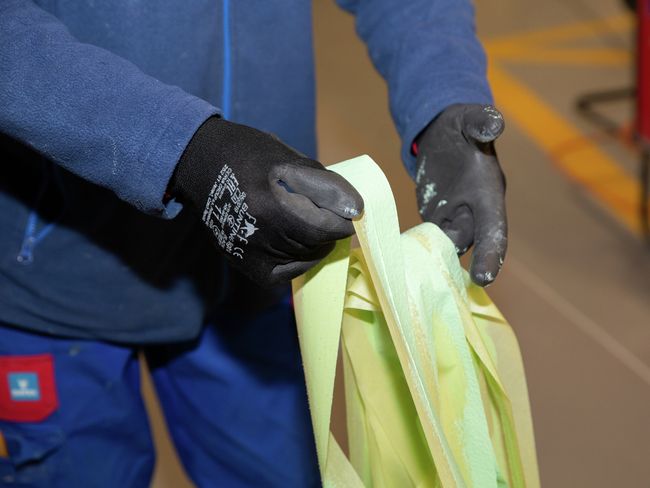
x=32 y=238
x=32 y=235
x=26 y=254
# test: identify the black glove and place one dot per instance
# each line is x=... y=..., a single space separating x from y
x=272 y=211
x=460 y=185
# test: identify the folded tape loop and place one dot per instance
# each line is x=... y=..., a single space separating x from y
x=434 y=382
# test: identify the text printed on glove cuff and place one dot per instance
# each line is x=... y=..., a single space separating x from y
x=226 y=214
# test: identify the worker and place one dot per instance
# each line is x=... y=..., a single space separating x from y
x=159 y=188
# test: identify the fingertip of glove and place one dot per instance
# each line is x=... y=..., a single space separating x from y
x=486 y=124
x=354 y=211
x=350 y=203
x=484 y=273
x=483 y=278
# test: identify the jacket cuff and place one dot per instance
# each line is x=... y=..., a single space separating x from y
x=161 y=156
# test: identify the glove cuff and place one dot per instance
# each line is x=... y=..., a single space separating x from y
x=196 y=166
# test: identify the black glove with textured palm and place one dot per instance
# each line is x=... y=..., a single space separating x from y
x=273 y=212
x=460 y=185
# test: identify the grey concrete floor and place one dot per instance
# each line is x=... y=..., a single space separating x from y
x=576 y=285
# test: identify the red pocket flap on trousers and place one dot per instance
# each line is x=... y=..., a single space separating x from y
x=27 y=388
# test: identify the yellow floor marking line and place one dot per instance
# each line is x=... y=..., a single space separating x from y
x=544 y=46
x=589 y=165
x=528 y=54
x=569 y=32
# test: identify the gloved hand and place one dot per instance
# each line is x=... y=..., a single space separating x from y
x=273 y=212
x=460 y=185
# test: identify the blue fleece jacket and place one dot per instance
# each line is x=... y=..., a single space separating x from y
x=98 y=101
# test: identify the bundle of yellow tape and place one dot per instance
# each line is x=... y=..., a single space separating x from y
x=435 y=388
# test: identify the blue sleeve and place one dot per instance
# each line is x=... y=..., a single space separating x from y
x=428 y=53
x=90 y=111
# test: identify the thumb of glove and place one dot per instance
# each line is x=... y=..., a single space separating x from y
x=324 y=188
x=482 y=123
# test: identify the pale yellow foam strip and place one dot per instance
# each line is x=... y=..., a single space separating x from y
x=318 y=298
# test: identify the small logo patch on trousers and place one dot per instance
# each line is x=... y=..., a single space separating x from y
x=27 y=388
x=23 y=387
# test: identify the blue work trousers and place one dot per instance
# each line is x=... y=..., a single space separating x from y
x=71 y=412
